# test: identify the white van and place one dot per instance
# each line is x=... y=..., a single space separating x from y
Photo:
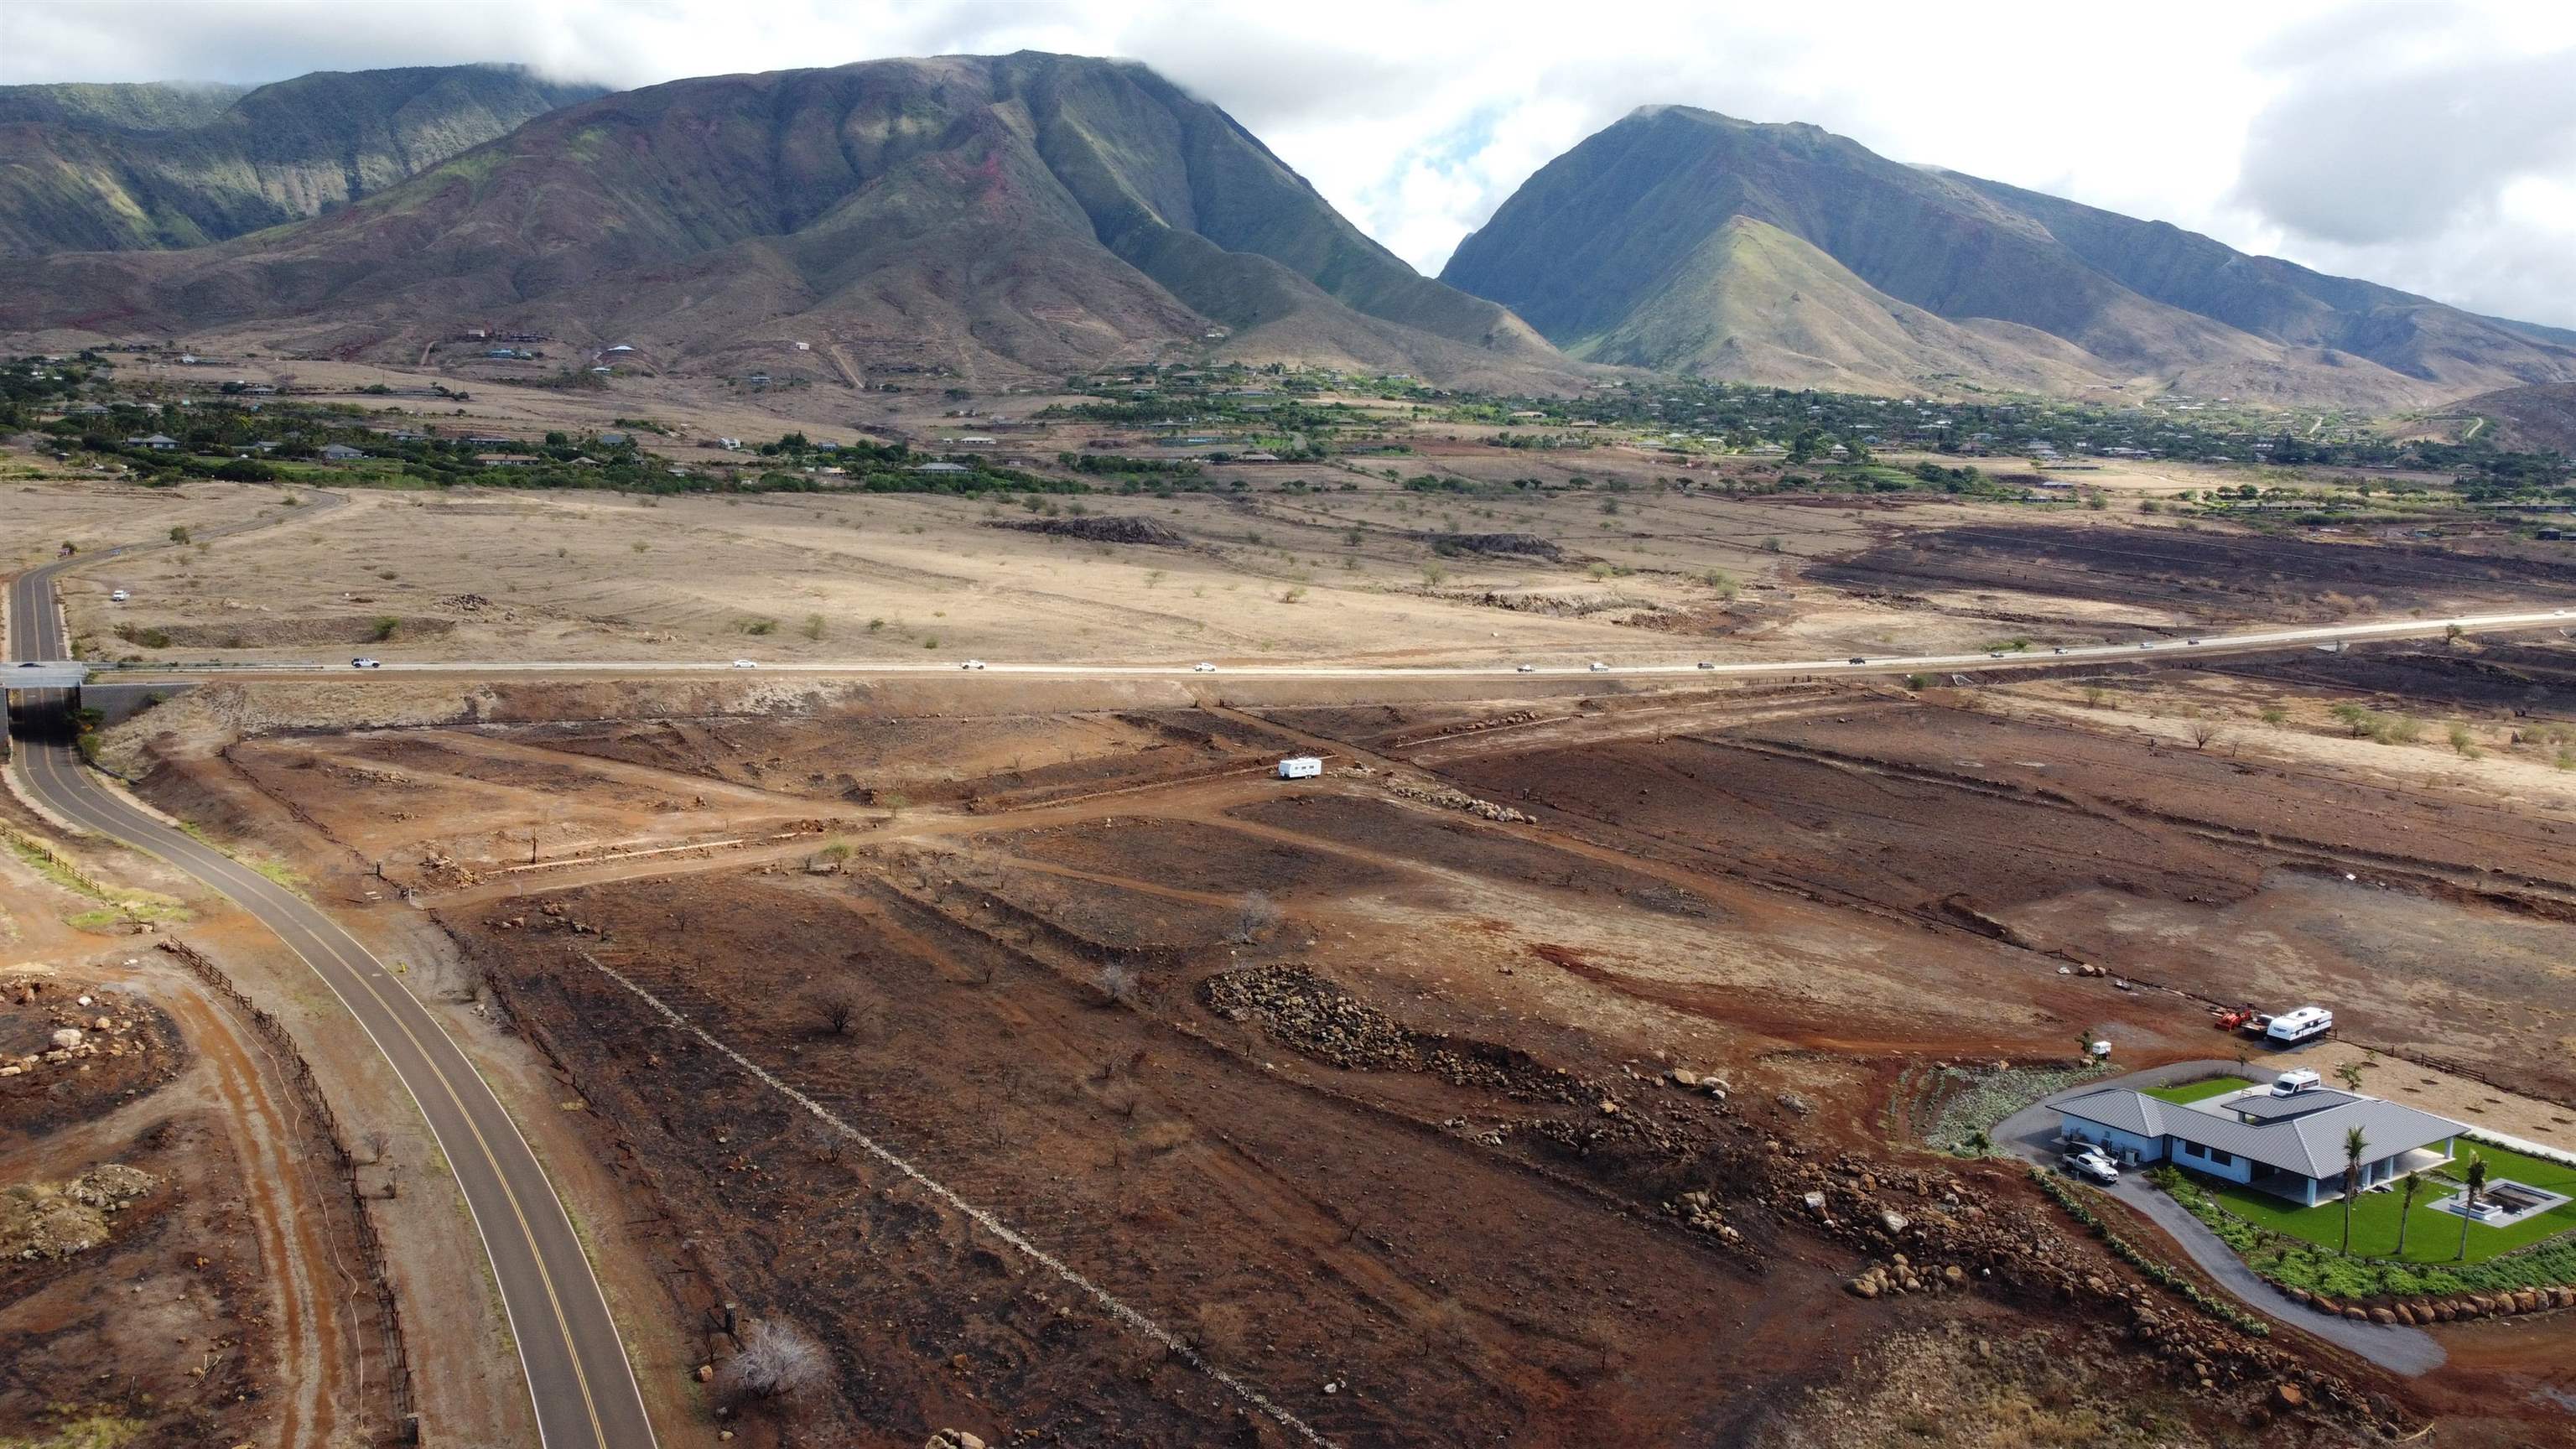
x=2292 y=1027
x=2291 y=1084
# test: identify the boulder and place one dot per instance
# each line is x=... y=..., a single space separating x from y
x=2526 y=1301
x=67 y=1038
x=2383 y=1316
x=2290 y=1396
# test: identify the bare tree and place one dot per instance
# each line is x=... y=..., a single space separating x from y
x=377 y=1144
x=1118 y=985
x=837 y=1007
x=1255 y=916
x=780 y=1363
x=2205 y=733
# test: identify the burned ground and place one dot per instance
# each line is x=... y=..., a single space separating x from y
x=2204 y=575
x=1397 y=1144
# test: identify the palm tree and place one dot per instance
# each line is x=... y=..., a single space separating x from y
x=2469 y=1204
x=2405 y=1209
x=2354 y=1144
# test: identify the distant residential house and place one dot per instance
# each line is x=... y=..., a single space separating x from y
x=489 y=440
x=158 y=443
x=1256 y=457
x=504 y=460
x=941 y=468
x=340 y=453
x=612 y=440
x=88 y=410
x=2291 y=1146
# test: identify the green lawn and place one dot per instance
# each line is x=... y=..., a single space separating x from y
x=2431 y=1237
x=2199 y=1091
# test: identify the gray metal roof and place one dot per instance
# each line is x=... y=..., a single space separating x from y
x=2264 y=1107
x=2310 y=1144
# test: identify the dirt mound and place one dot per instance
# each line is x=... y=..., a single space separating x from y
x=1112 y=529
x=1302 y=1010
x=50 y=1220
x=1519 y=545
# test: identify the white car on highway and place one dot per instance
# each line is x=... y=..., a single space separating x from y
x=972 y=664
x=363 y=662
x=1202 y=667
x=746 y=664
x=1600 y=668
x=1524 y=669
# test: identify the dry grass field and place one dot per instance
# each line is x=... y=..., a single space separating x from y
x=1387 y=1095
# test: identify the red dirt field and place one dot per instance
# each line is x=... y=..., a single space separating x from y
x=1356 y=1092
x=1397 y=1258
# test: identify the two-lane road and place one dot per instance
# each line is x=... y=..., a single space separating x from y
x=2073 y=656
x=578 y=1377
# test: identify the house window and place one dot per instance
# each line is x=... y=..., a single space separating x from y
x=2215 y=1156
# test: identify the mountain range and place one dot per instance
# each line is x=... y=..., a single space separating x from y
x=1684 y=240
x=1007 y=218
x=119 y=167
x=986 y=216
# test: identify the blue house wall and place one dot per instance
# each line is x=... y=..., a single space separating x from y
x=2203 y=1159
x=2124 y=1146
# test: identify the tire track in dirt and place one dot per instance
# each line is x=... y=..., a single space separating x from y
x=313 y=1338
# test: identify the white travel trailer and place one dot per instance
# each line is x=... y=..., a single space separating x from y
x=1300 y=767
x=2292 y=1027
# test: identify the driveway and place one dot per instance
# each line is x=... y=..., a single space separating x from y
x=2032 y=1133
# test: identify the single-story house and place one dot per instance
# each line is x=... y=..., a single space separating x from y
x=941 y=468
x=158 y=443
x=503 y=460
x=2290 y=1146
x=340 y=453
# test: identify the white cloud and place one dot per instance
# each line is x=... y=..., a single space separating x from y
x=2254 y=123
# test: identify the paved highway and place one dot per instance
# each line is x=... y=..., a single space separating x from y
x=577 y=1373
x=2160 y=649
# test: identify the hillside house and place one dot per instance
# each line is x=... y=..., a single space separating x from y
x=340 y=453
x=2291 y=1146
x=158 y=442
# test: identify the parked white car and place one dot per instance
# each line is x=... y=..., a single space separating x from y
x=2090 y=1161
x=119 y=597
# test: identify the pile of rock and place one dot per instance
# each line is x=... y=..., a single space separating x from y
x=1448 y=799
x=2507 y=1303
x=45 y=1221
x=1699 y=1212
x=80 y=1036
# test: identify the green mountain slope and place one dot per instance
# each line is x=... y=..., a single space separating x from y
x=1611 y=238
x=118 y=167
x=1030 y=212
x=1753 y=301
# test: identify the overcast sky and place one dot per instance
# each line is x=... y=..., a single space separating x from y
x=2428 y=144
